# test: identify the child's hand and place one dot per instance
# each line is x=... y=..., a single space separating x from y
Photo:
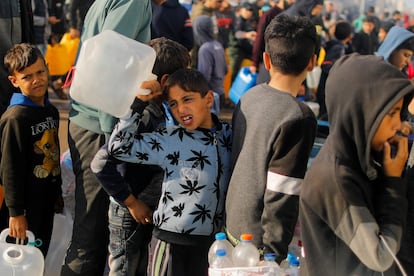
x=394 y=166
x=406 y=128
x=155 y=88
x=139 y=210
x=18 y=227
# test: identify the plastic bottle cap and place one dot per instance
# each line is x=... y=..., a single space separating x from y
x=221 y=252
x=221 y=236
x=269 y=256
x=293 y=260
x=246 y=237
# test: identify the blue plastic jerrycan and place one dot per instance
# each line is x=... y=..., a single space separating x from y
x=243 y=82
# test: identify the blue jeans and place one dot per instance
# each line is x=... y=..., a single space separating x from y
x=128 y=242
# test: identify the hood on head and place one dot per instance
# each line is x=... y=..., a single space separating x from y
x=203 y=29
x=395 y=37
x=303 y=7
x=360 y=91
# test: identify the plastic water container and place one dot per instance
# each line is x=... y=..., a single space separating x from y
x=245 y=254
x=244 y=81
x=312 y=80
x=269 y=259
x=109 y=72
x=221 y=242
x=221 y=259
x=20 y=260
x=61 y=235
x=293 y=265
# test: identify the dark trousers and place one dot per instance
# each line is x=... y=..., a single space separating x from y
x=87 y=252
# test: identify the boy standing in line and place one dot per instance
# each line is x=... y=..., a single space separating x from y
x=353 y=201
x=30 y=153
x=195 y=157
x=129 y=237
x=273 y=137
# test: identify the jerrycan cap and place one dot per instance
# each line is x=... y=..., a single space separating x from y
x=246 y=237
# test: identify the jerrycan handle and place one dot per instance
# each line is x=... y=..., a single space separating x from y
x=69 y=77
x=29 y=235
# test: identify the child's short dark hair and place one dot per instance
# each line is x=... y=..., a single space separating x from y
x=387 y=25
x=170 y=56
x=21 y=56
x=369 y=19
x=291 y=41
x=189 y=80
x=342 y=30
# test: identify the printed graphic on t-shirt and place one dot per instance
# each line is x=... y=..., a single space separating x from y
x=49 y=147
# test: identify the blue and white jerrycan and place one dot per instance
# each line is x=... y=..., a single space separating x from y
x=244 y=81
x=19 y=260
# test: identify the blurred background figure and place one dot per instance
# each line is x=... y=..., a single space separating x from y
x=172 y=20
x=78 y=11
x=242 y=38
x=16 y=26
x=41 y=24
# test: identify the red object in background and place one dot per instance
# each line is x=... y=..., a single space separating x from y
x=410 y=70
x=224 y=22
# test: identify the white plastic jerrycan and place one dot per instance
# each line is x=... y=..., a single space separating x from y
x=109 y=72
x=19 y=260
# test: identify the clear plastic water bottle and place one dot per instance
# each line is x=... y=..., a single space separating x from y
x=269 y=261
x=293 y=269
x=221 y=242
x=221 y=260
x=245 y=254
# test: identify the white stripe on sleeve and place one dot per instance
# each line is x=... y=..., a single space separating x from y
x=283 y=184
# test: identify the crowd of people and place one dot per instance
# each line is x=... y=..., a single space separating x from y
x=151 y=193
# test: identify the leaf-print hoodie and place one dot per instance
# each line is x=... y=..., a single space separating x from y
x=346 y=201
x=196 y=174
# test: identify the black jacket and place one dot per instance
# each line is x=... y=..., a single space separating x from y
x=171 y=20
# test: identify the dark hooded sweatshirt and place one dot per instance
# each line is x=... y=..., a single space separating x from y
x=211 y=55
x=30 y=156
x=346 y=201
x=302 y=7
x=171 y=20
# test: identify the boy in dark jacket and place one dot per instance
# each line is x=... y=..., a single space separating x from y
x=335 y=48
x=353 y=202
x=30 y=168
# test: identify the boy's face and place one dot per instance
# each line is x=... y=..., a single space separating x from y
x=190 y=109
x=381 y=34
x=317 y=10
x=367 y=27
x=389 y=126
x=245 y=13
x=32 y=81
x=401 y=58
